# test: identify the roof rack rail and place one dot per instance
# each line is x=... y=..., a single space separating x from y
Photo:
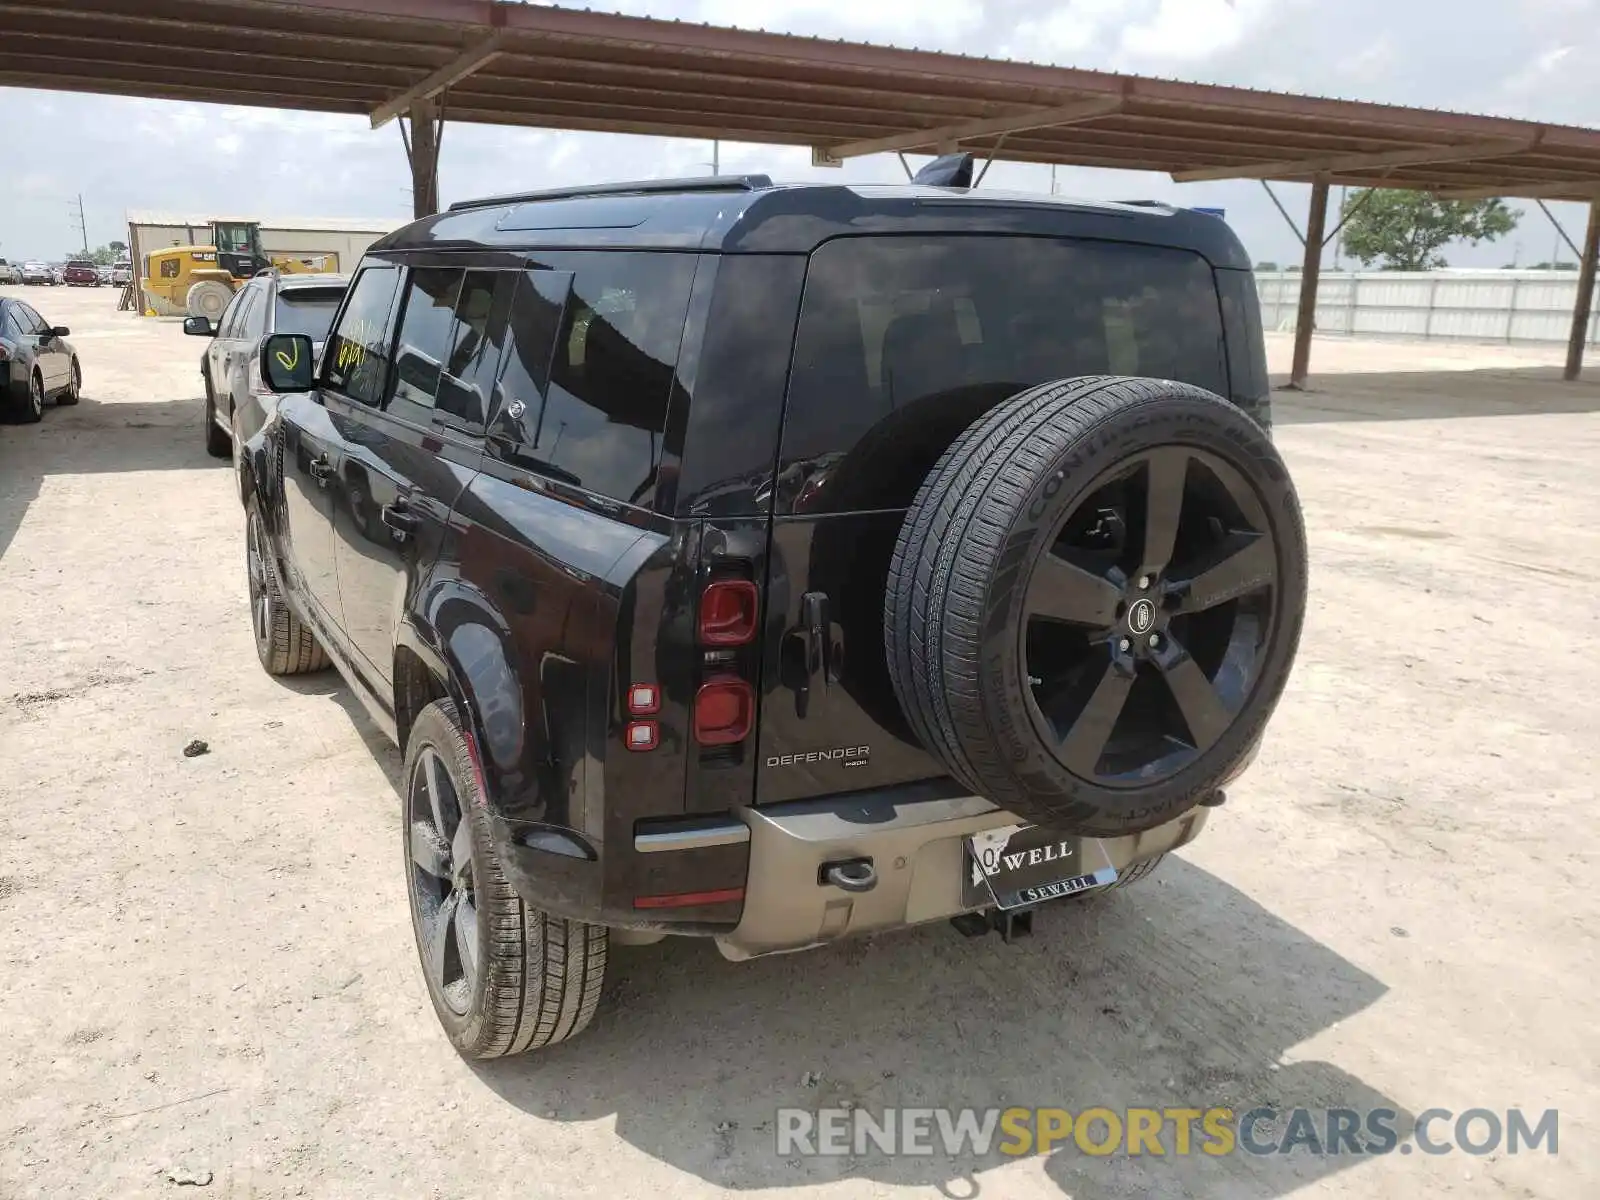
x=700 y=183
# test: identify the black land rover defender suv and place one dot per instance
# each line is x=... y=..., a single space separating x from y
x=772 y=564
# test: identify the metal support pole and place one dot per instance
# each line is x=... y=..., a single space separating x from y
x=422 y=149
x=1310 y=275
x=1585 y=301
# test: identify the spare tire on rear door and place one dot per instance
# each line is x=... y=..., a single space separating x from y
x=1095 y=600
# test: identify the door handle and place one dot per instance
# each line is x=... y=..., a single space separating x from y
x=321 y=470
x=401 y=521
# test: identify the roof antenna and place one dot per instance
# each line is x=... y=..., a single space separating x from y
x=948 y=170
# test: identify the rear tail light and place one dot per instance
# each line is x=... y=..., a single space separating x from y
x=724 y=711
x=644 y=699
x=728 y=613
x=643 y=735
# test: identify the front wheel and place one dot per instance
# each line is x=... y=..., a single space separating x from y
x=74 y=388
x=504 y=977
x=218 y=443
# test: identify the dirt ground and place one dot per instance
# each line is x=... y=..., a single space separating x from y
x=208 y=967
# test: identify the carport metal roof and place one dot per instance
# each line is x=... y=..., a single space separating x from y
x=517 y=64
x=504 y=63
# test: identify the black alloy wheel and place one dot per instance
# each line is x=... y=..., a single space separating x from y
x=263 y=601
x=1149 y=620
x=443 y=882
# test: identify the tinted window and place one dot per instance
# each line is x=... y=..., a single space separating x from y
x=537 y=303
x=479 y=334
x=14 y=326
x=356 y=360
x=612 y=371
x=426 y=326
x=253 y=319
x=909 y=340
x=229 y=320
x=306 y=310
x=31 y=320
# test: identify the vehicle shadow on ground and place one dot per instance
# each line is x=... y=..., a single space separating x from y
x=94 y=437
x=1183 y=992
x=1432 y=395
x=331 y=684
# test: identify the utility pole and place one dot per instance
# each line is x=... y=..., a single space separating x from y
x=83 y=226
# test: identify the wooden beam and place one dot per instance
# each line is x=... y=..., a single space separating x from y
x=1336 y=163
x=453 y=72
x=1310 y=275
x=1580 y=310
x=950 y=135
x=1572 y=189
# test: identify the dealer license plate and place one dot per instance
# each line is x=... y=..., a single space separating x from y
x=1017 y=865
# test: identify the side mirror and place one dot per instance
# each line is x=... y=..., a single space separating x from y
x=287 y=362
x=199 y=327
x=59 y=331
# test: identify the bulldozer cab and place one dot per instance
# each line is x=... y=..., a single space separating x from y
x=238 y=246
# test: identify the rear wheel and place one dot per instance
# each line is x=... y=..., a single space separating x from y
x=503 y=977
x=218 y=443
x=283 y=643
x=30 y=406
x=1095 y=601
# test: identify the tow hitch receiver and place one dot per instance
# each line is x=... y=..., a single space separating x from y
x=1010 y=923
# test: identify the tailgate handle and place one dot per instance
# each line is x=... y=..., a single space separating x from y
x=811 y=653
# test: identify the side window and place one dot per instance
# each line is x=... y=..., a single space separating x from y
x=479 y=335
x=537 y=302
x=356 y=359
x=611 y=376
x=253 y=320
x=229 y=320
x=33 y=320
x=426 y=324
x=15 y=323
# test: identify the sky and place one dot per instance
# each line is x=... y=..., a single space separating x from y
x=1536 y=59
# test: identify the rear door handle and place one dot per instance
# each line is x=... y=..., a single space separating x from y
x=400 y=519
x=321 y=470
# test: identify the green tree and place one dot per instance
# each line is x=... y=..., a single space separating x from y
x=1267 y=266
x=104 y=256
x=1405 y=231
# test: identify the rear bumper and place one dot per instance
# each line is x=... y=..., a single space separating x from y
x=916 y=850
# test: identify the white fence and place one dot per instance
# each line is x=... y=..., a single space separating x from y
x=1497 y=306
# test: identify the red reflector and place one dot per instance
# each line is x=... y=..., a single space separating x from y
x=728 y=612
x=689 y=899
x=644 y=699
x=642 y=735
x=724 y=710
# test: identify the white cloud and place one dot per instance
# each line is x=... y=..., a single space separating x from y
x=1186 y=30
x=1068 y=29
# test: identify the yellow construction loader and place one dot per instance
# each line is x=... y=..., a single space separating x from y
x=199 y=281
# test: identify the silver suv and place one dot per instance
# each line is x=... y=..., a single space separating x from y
x=269 y=303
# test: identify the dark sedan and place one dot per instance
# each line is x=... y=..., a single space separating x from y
x=36 y=363
x=80 y=272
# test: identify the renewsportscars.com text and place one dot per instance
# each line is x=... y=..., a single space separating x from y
x=1216 y=1132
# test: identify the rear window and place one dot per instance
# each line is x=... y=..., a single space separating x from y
x=79 y=263
x=307 y=311
x=909 y=340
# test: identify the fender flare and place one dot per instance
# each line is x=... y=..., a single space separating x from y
x=459 y=637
